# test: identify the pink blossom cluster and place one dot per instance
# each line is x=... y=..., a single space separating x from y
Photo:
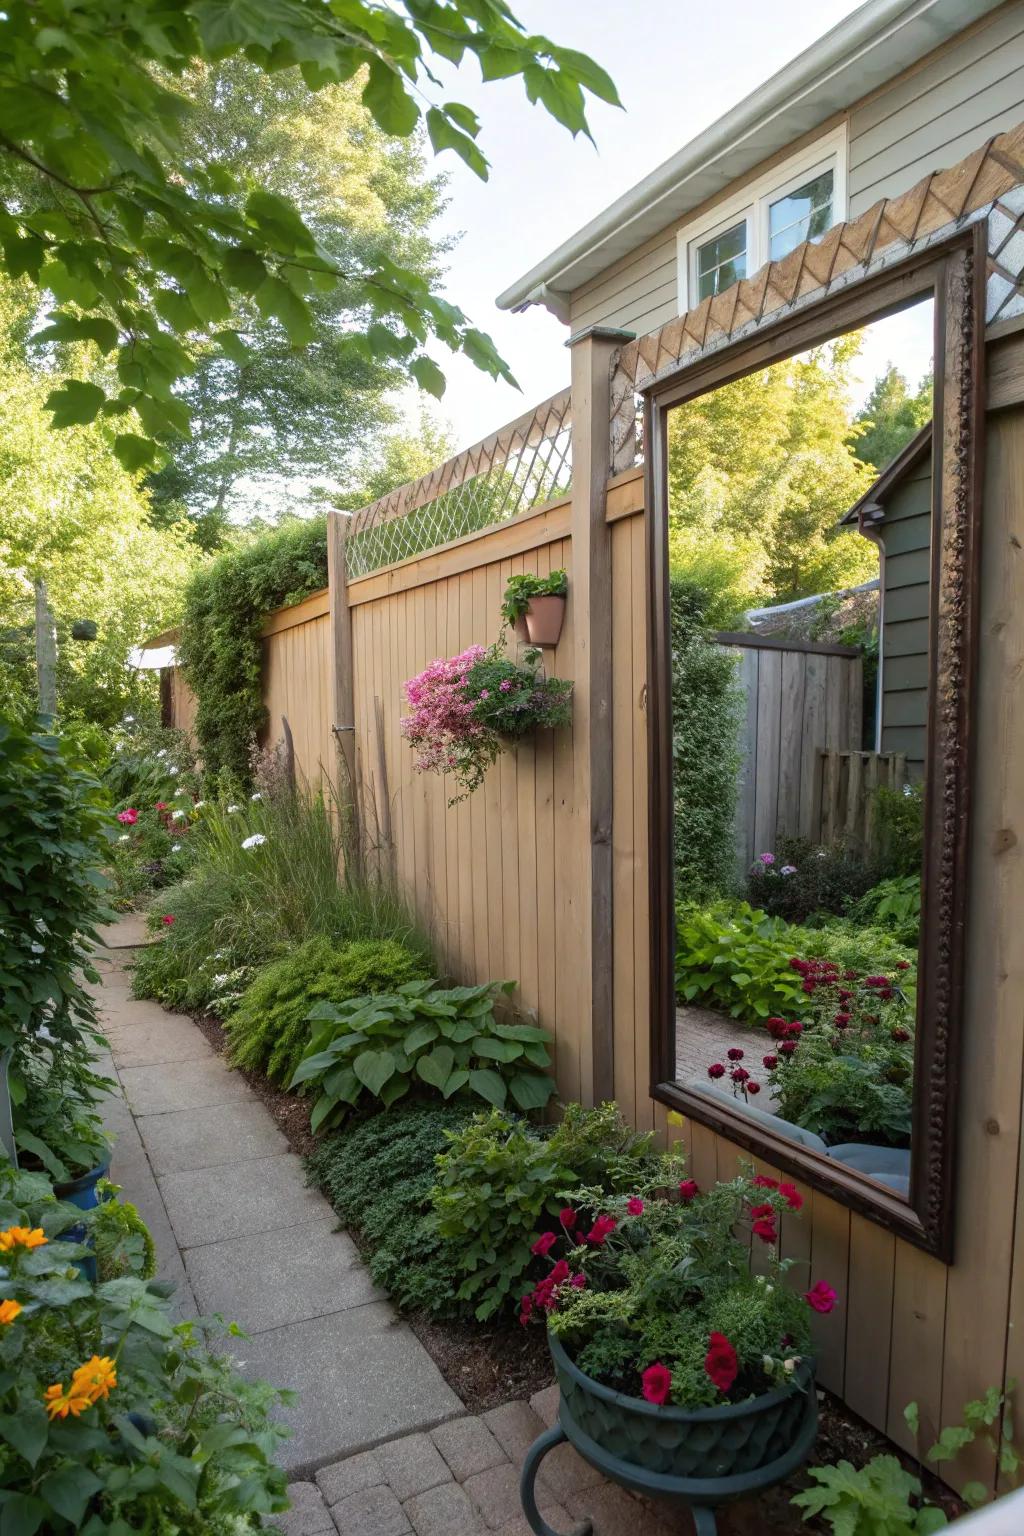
x=442 y=712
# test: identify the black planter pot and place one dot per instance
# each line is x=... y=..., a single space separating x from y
x=700 y=1458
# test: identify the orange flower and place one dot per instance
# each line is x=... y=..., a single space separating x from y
x=22 y=1237
x=60 y=1403
x=95 y=1378
x=9 y=1311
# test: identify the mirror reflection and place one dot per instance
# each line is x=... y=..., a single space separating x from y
x=800 y=501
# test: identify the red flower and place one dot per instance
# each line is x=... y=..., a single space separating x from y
x=161 y=805
x=689 y=1189
x=544 y=1294
x=796 y=1028
x=716 y=1070
x=635 y=1207
x=876 y=981
x=763 y=1210
x=900 y=1035
x=578 y=1282
x=765 y=1230
x=720 y=1362
x=770 y=1061
x=561 y=1271
x=849 y=975
x=787 y=1047
x=753 y=1087
x=844 y=994
x=739 y=1074
x=809 y=985
x=762 y=1181
x=842 y=1020
x=792 y=1196
x=602 y=1228
x=167 y=919
x=734 y=1053
x=544 y=1243
x=567 y=1216
x=657 y=1380
x=903 y=965
x=525 y=1310
x=129 y=817
x=821 y=1297
x=775 y=1026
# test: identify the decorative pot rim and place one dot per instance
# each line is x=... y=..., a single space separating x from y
x=803 y=1381
x=83 y=1180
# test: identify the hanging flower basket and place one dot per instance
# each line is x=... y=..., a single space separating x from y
x=470 y=708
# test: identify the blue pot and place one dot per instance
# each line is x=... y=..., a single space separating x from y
x=83 y=1193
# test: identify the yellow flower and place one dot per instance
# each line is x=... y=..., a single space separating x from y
x=9 y=1311
x=22 y=1237
x=60 y=1403
x=95 y=1378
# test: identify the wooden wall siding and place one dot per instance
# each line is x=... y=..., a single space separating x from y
x=905 y=537
x=938 y=112
x=797 y=704
x=183 y=702
x=847 y=808
x=297 y=685
x=934 y=115
x=491 y=877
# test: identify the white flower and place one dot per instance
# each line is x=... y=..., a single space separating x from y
x=199 y=805
x=37 y=949
x=256 y=841
x=124 y=838
x=129 y=719
x=180 y=789
x=175 y=847
x=118 y=746
x=171 y=769
x=768 y=1364
x=790 y=1365
x=256 y=796
x=908 y=790
x=218 y=981
x=788 y=869
x=162 y=752
x=233 y=808
x=177 y=815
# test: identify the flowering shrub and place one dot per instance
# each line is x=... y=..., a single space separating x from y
x=451 y=1041
x=113 y=1418
x=500 y=1177
x=655 y=1297
x=798 y=880
x=467 y=709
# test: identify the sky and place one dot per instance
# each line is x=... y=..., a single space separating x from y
x=674 y=78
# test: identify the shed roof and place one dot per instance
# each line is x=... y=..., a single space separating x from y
x=871 y=505
x=866 y=49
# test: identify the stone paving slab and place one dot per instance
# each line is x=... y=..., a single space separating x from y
x=361 y=1377
x=172 y=1085
x=152 y=1044
x=288 y=1276
x=186 y=1140
x=128 y=932
x=207 y=1205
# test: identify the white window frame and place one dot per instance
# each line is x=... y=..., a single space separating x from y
x=753 y=202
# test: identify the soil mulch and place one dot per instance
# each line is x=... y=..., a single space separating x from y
x=487 y=1364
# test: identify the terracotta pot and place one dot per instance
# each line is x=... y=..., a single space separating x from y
x=519 y=629
x=544 y=619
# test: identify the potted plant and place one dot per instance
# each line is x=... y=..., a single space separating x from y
x=470 y=708
x=57 y=1129
x=683 y=1374
x=535 y=606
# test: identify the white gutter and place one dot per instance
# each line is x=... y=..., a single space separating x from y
x=867 y=48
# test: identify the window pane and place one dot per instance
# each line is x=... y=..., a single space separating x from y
x=722 y=261
x=804 y=214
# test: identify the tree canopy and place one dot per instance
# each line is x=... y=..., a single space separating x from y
x=890 y=417
x=148 y=246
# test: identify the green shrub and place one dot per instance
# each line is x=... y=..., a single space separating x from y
x=270 y=1028
x=857 y=948
x=378 y=1175
x=734 y=957
x=801 y=880
x=705 y=753
x=501 y=1178
x=120 y=1238
x=220 y=648
x=894 y=905
x=241 y=907
x=901 y=829
x=165 y=1436
x=862 y=1091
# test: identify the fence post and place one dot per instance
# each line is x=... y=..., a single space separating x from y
x=343 y=726
x=591 y=599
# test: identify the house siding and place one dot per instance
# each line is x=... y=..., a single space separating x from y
x=968 y=90
x=905 y=537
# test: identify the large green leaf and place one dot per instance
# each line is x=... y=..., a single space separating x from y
x=373 y=1068
x=489 y=1085
x=531 y=1090
x=436 y=1066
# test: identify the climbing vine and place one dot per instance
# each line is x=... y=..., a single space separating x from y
x=219 y=647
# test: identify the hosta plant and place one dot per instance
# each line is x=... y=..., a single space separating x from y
x=448 y=1041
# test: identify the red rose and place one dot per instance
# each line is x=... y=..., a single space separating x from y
x=716 y=1070
x=657 y=1380
x=635 y=1207
x=167 y=919
x=544 y=1243
x=762 y=1181
x=734 y=1053
x=792 y=1196
x=561 y=1271
x=787 y=1047
x=720 y=1362
x=753 y=1087
x=765 y=1230
x=821 y=1297
x=567 y=1216
x=771 y=1062
x=602 y=1228
x=689 y=1189
x=739 y=1074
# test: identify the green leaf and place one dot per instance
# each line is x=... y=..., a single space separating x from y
x=455 y=1083
x=75 y=403
x=244 y=270
x=497 y=1050
x=912 y=1418
x=419 y=1036
x=436 y=1067
x=974 y=1494
x=134 y=452
x=488 y=1085
x=279 y=222
x=531 y=1090
x=276 y=298
x=930 y=1519
x=428 y=375
x=387 y=100
x=21 y=1515
x=445 y=134
x=69 y=1490
x=26 y=1431
x=373 y=1068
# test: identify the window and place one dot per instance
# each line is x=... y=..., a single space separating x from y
x=797 y=201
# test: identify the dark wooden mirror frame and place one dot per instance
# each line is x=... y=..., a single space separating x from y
x=953 y=274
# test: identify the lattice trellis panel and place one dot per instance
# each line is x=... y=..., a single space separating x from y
x=989 y=183
x=524 y=465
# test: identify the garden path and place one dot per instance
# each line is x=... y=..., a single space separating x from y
x=239 y=1233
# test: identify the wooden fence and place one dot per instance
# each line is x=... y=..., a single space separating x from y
x=801 y=699
x=848 y=804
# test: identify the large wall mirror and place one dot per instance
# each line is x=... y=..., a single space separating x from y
x=813 y=546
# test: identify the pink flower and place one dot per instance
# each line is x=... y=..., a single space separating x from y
x=505 y=686
x=161 y=805
x=129 y=817
x=635 y=1207
x=567 y=1216
x=657 y=1380
x=766 y=859
x=603 y=1227
x=821 y=1297
x=561 y=1271
x=792 y=1196
x=689 y=1189
x=578 y=1282
x=720 y=1362
x=544 y=1243
x=484 y=694
x=525 y=1310
x=167 y=919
